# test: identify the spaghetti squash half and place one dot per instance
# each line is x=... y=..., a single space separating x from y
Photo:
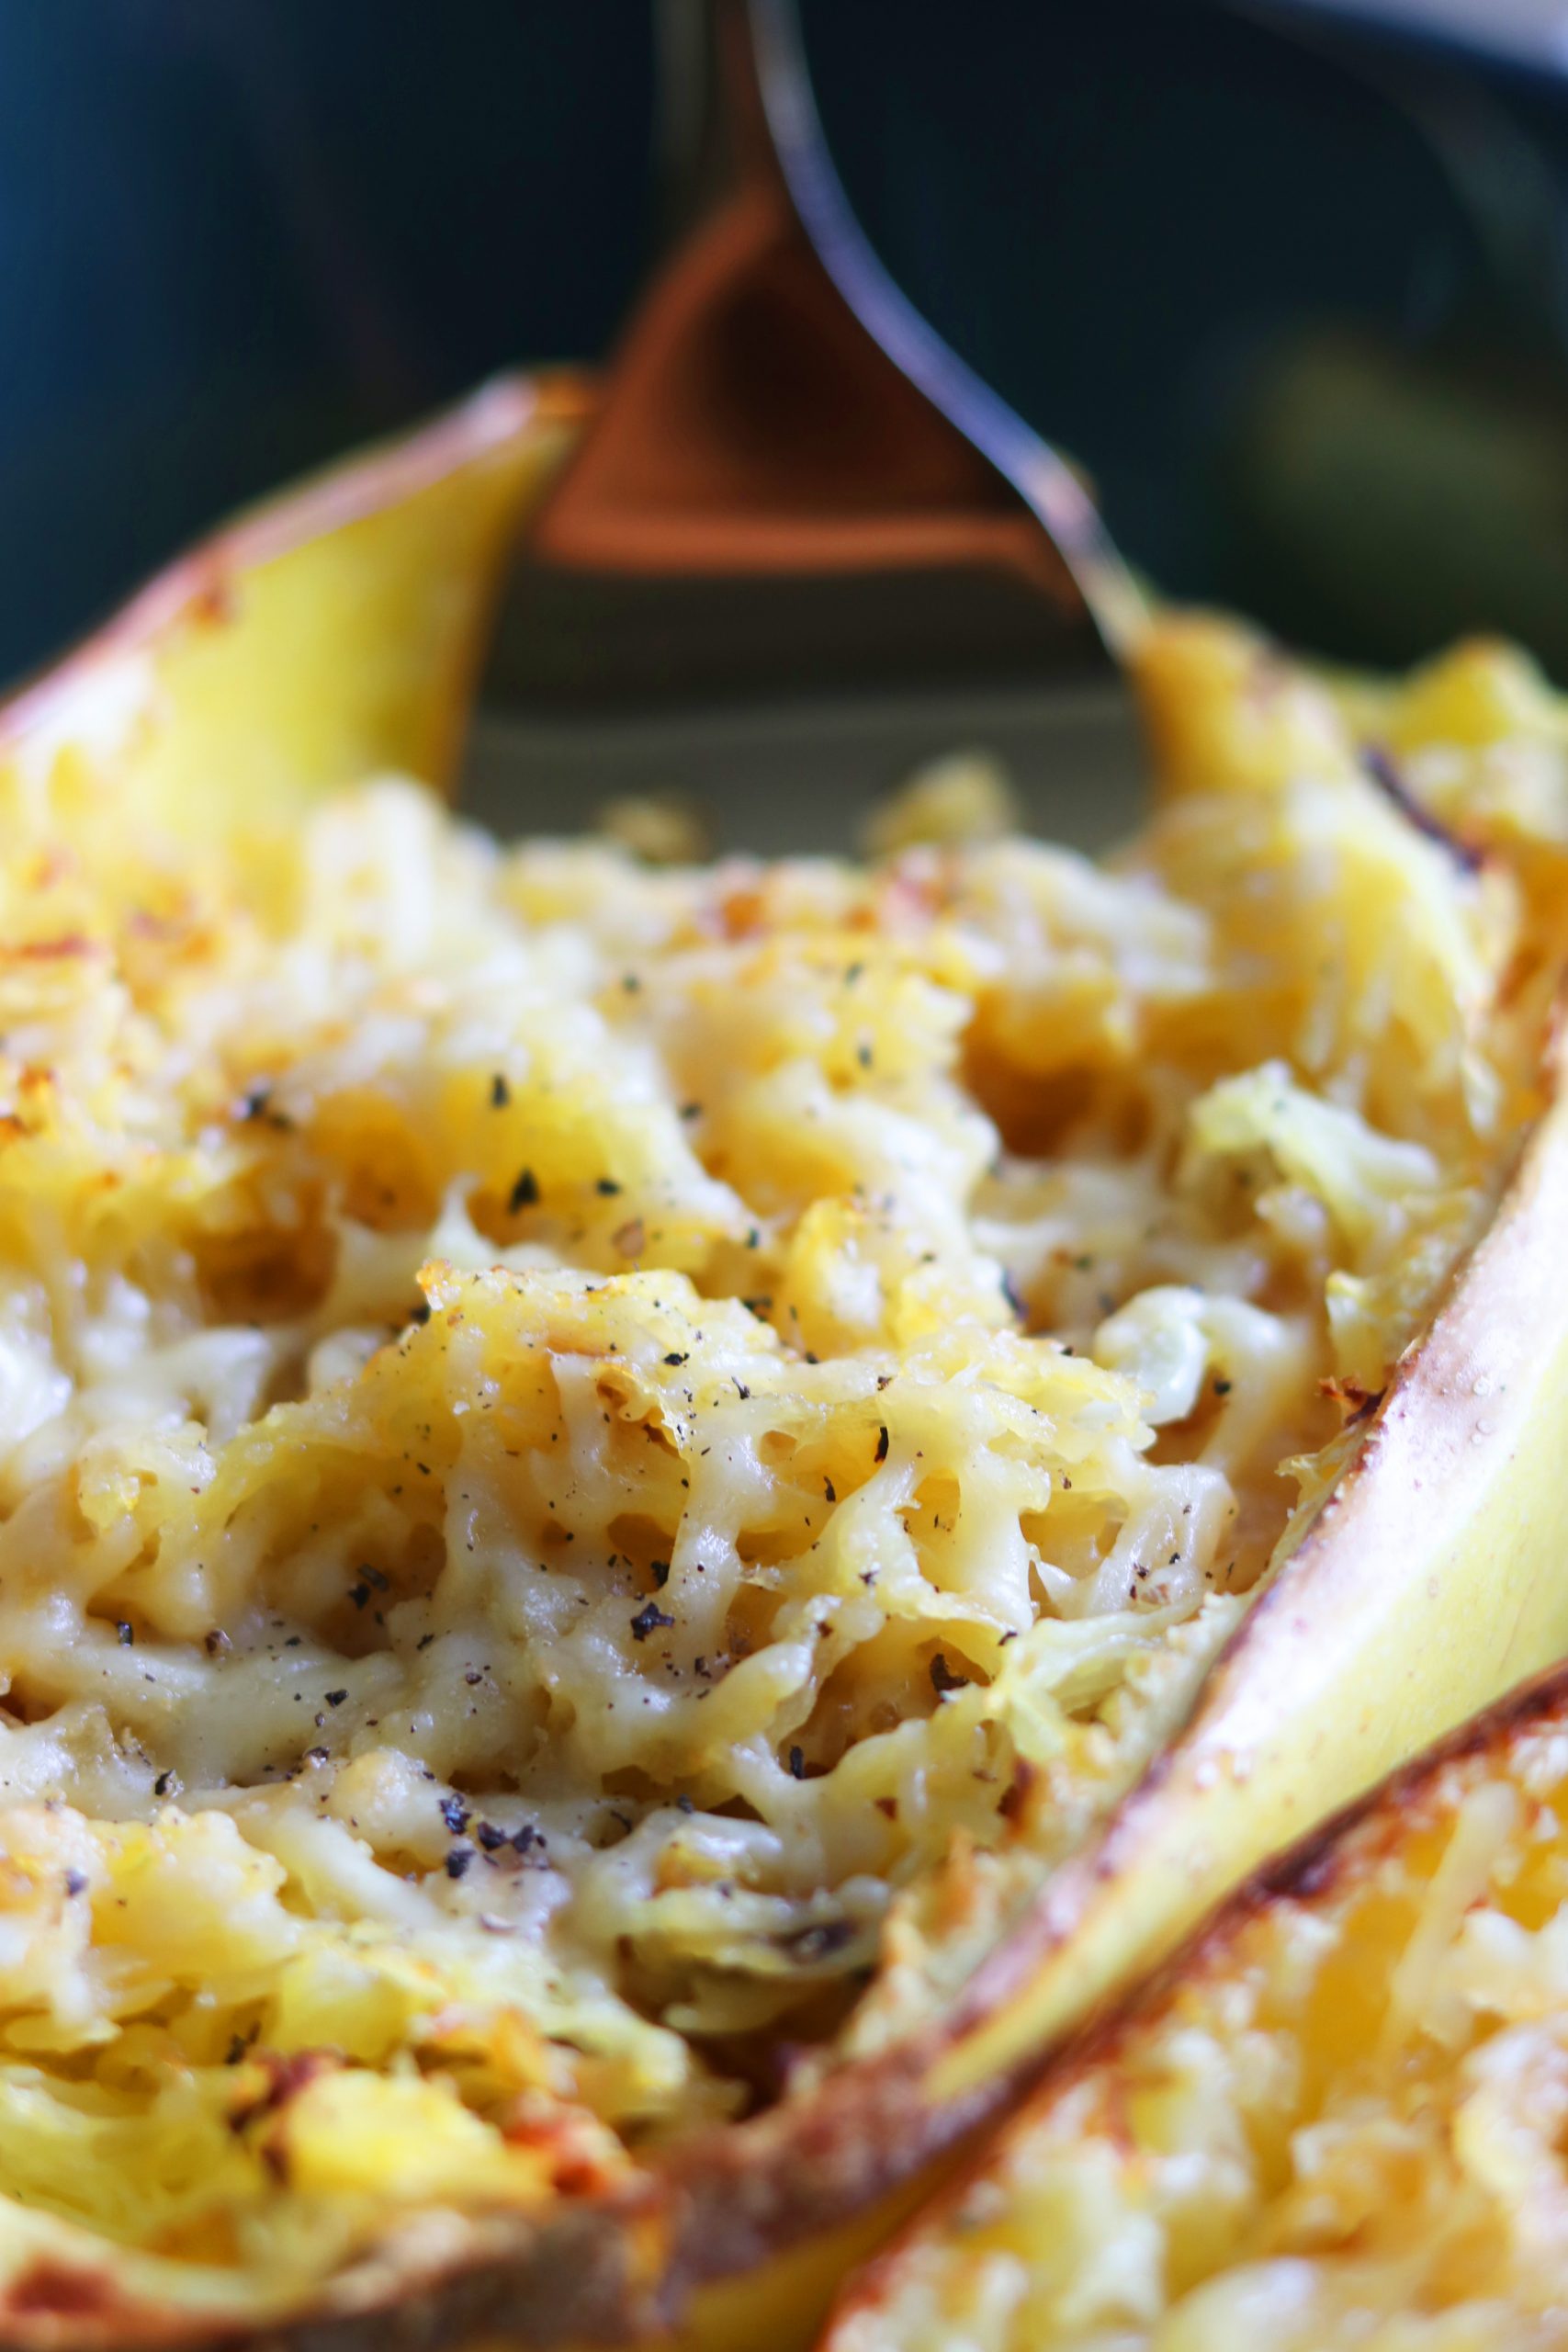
x=1338 y=2122
x=609 y=1478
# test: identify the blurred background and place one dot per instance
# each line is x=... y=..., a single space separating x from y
x=1289 y=281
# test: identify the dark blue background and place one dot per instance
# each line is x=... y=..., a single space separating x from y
x=235 y=235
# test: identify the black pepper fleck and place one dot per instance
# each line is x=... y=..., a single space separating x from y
x=816 y=1943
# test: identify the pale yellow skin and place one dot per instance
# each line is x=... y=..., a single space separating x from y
x=337 y=633
x=331 y=634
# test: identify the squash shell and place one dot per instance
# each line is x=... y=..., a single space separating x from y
x=339 y=630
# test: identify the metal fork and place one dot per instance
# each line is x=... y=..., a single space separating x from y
x=1040 y=474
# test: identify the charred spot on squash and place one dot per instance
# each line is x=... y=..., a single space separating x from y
x=51 y=2290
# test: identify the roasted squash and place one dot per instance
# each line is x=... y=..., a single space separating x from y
x=327 y=636
x=642 y=1538
x=1335 y=2120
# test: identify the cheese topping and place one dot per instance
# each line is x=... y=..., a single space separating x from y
x=600 y=1468
x=1341 y=2132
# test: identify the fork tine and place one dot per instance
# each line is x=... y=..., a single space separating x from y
x=1041 y=476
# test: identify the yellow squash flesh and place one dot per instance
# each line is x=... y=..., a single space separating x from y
x=1433 y=1577
x=337 y=633
x=1334 y=2121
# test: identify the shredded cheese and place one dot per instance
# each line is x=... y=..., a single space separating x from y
x=600 y=1468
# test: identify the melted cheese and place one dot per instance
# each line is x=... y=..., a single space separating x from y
x=598 y=1469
